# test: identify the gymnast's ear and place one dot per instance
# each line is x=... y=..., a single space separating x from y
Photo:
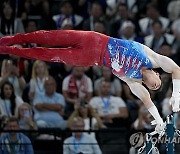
x=157 y=73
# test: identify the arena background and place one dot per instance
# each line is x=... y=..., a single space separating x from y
x=155 y=23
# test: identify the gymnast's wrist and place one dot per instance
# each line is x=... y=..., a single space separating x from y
x=176 y=88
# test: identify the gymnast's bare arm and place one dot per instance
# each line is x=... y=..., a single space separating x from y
x=140 y=91
x=169 y=66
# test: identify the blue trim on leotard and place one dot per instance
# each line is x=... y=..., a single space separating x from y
x=130 y=57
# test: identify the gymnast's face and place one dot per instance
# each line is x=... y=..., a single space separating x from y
x=152 y=80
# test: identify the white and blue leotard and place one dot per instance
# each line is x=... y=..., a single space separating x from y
x=126 y=58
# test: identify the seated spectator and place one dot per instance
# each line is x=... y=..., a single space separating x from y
x=175 y=28
x=15 y=142
x=39 y=74
x=153 y=14
x=76 y=86
x=10 y=72
x=30 y=26
x=173 y=10
x=121 y=16
x=128 y=32
x=49 y=107
x=25 y=117
x=100 y=27
x=110 y=108
x=155 y=40
x=167 y=50
x=66 y=12
x=81 y=7
x=9 y=102
x=116 y=87
x=33 y=7
x=131 y=99
x=96 y=14
x=46 y=22
x=80 y=142
x=67 y=24
x=112 y=5
x=166 y=107
x=143 y=122
x=90 y=117
x=9 y=25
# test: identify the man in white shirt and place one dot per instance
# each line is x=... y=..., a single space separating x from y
x=79 y=142
x=108 y=106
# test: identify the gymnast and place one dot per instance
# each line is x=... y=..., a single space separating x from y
x=130 y=61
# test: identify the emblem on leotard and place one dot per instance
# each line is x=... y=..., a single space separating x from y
x=115 y=63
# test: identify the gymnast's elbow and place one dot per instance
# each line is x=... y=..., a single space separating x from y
x=176 y=73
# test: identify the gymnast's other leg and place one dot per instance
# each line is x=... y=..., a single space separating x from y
x=82 y=48
x=64 y=38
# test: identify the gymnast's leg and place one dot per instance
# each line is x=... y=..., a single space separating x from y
x=63 y=38
x=82 y=48
x=70 y=56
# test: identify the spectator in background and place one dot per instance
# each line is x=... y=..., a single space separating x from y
x=96 y=14
x=167 y=50
x=128 y=32
x=81 y=7
x=121 y=16
x=9 y=102
x=155 y=40
x=31 y=26
x=39 y=74
x=173 y=10
x=99 y=26
x=14 y=142
x=46 y=22
x=115 y=84
x=91 y=119
x=49 y=107
x=34 y=7
x=10 y=72
x=166 y=107
x=80 y=142
x=25 y=117
x=175 y=28
x=76 y=86
x=112 y=4
x=152 y=15
x=95 y=71
x=111 y=8
x=143 y=122
x=110 y=108
x=9 y=25
x=131 y=100
x=67 y=24
x=66 y=12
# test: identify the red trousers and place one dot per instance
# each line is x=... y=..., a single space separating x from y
x=79 y=48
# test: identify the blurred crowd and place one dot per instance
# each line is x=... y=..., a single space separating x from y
x=37 y=94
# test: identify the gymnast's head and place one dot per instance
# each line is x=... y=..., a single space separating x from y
x=151 y=79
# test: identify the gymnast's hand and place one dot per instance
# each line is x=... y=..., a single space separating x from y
x=175 y=99
x=175 y=102
x=159 y=128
